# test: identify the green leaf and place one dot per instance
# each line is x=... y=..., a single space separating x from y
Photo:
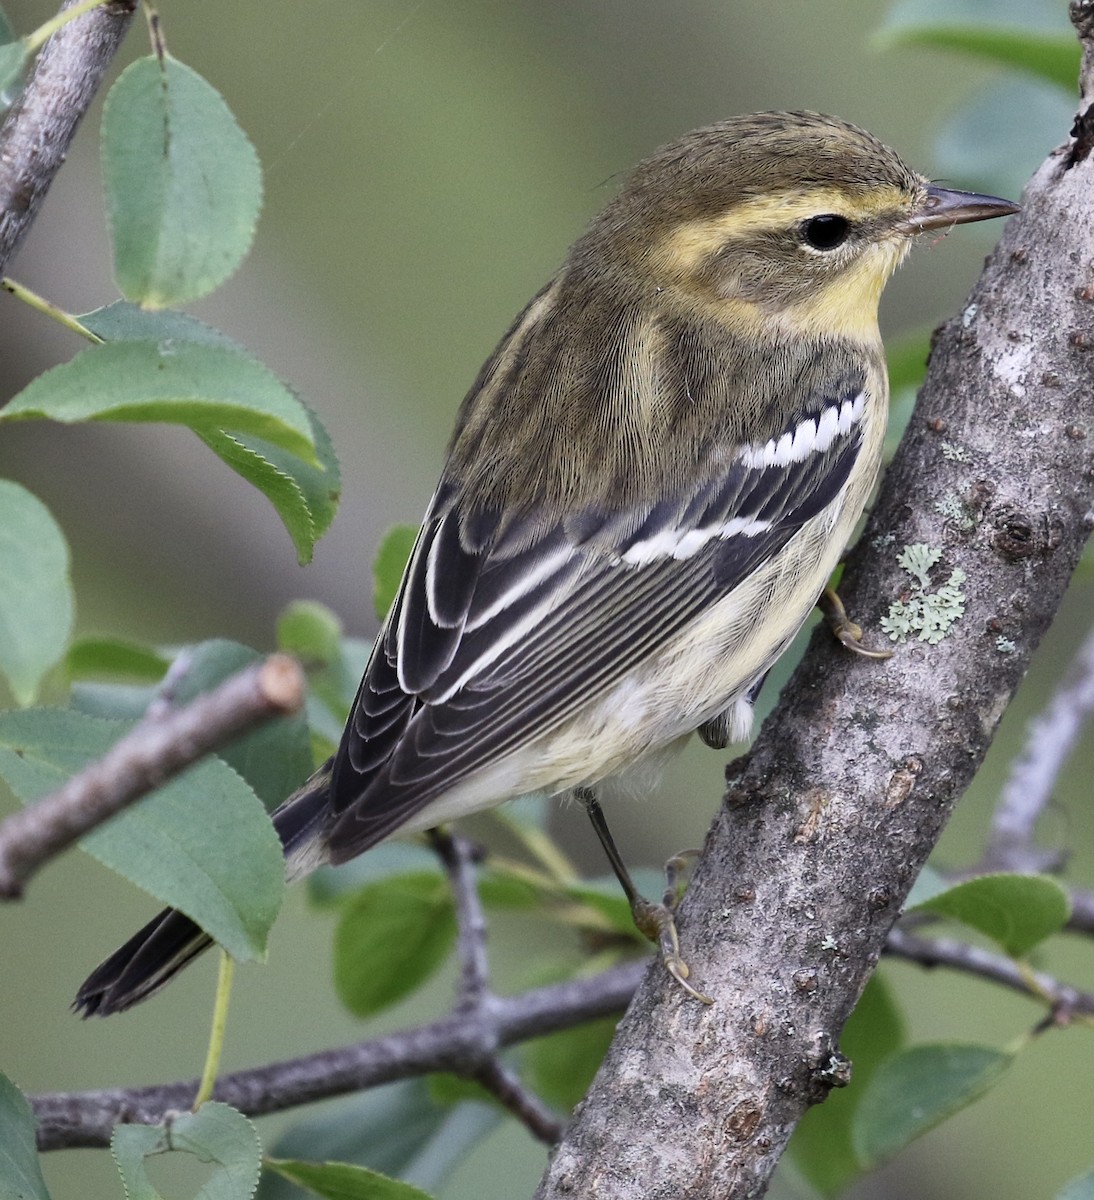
x=201 y=843
x=311 y=631
x=36 y=602
x=207 y=388
x=7 y=30
x=562 y=1065
x=1016 y=911
x=125 y=322
x=398 y=1130
x=304 y=494
x=391 y=937
x=94 y=657
x=20 y=1169
x=342 y=1181
x=389 y=564
x=821 y=1148
x=183 y=184
x=1030 y=35
x=216 y=1134
x=928 y=884
x=1080 y=1188
x=915 y=1090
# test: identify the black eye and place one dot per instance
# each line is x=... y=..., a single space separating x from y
x=827 y=231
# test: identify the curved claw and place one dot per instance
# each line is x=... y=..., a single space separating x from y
x=846 y=632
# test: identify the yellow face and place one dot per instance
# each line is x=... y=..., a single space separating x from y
x=813 y=261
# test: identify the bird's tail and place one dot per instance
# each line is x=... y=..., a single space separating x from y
x=156 y=954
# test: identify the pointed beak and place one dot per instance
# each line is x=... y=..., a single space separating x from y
x=943 y=207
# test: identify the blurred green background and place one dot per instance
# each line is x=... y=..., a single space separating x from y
x=427 y=164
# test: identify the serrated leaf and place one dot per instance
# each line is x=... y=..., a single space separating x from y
x=126 y=322
x=1030 y=35
x=398 y=1130
x=94 y=657
x=216 y=1134
x=1080 y=1188
x=914 y=1091
x=201 y=843
x=305 y=494
x=36 y=601
x=207 y=388
x=20 y=1169
x=1016 y=911
x=343 y=1181
x=389 y=564
x=391 y=937
x=561 y=1065
x=821 y=1147
x=183 y=183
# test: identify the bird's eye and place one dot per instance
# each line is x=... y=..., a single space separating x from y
x=827 y=231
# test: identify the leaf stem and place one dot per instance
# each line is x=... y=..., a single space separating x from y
x=216 y=1033
x=42 y=305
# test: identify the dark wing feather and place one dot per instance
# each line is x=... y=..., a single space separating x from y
x=499 y=637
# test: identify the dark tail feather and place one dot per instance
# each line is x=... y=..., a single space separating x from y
x=155 y=955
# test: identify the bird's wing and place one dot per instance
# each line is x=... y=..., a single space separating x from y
x=501 y=633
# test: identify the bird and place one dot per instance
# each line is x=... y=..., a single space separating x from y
x=647 y=488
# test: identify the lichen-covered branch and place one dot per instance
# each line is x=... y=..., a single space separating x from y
x=830 y=817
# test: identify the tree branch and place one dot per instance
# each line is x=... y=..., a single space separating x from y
x=38 y=131
x=830 y=817
x=454 y=1043
x=159 y=747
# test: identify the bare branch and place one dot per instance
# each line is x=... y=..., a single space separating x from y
x=537 y=1117
x=38 y=131
x=1052 y=738
x=971 y=960
x=452 y=1044
x=159 y=747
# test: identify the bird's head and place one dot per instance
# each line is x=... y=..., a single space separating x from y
x=787 y=219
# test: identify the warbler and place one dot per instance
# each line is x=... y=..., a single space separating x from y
x=648 y=486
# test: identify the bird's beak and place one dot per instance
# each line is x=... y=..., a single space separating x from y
x=943 y=207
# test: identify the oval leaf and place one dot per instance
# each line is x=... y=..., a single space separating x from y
x=343 y=1181
x=201 y=843
x=1016 y=911
x=183 y=183
x=205 y=387
x=20 y=1170
x=916 y=1090
x=391 y=937
x=216 y=1134
x=36 y=602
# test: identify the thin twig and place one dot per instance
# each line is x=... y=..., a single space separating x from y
x=476 y=1000
x=1052 y=737
x=153 y=752
x=521 y=1101
x=971 y=960
x=67 y=1120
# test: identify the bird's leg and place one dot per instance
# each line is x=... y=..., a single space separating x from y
x=845 y=630
x=655 y=921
